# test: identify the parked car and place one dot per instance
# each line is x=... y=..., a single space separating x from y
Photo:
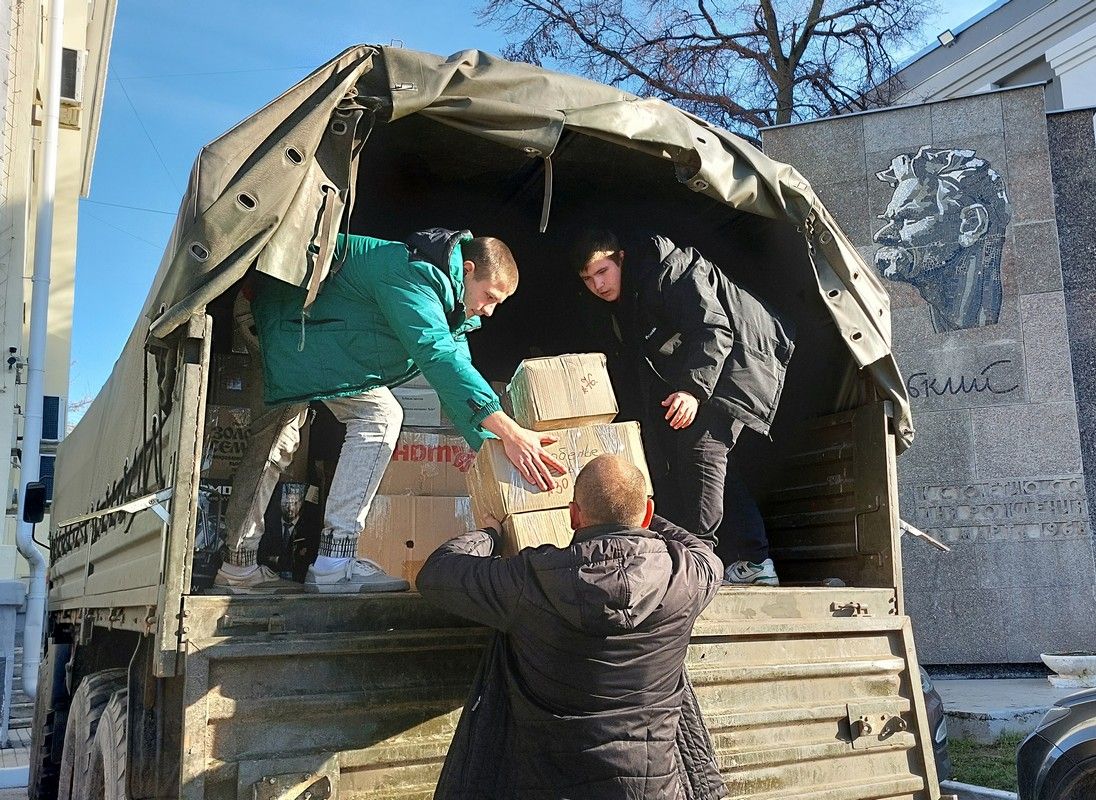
x=934 y=707
x=1058 y=760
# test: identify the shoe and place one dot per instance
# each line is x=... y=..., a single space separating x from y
x=742 y=573
x=358 y=575
x=259 y=579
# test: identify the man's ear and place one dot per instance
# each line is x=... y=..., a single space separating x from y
x=973 y=224
x=576 y=516
x=648 y=515
x=469 y=268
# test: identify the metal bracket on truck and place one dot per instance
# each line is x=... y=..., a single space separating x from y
x=150 y=502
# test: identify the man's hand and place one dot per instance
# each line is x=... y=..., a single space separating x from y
x=682 y=409
x=491 y=522
x=525 y=449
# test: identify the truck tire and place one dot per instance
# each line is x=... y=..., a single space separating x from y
x=107 y=772
x=50 y=712
x=88 y=703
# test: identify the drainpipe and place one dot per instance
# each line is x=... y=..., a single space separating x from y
x=36 y=355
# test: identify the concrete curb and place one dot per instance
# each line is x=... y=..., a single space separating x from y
x=967 y=791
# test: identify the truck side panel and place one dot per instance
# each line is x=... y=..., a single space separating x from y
x=784 y=676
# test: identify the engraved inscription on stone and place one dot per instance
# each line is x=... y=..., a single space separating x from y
x=1004 y=510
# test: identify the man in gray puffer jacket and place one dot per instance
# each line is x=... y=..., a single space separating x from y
x=585 y=694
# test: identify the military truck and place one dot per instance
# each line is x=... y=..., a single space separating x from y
x=151 y=687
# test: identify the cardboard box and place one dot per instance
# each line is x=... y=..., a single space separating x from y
x=231 y=379
x=227 y=433
x=402 y=531
x=562 y=392
x=428 y=463
x=499 y=489
x=534 y=528
x=418 y=382
x=421 y=408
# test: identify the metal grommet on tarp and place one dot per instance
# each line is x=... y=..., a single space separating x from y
x=198 y=250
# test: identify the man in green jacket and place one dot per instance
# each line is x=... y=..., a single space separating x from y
x=390 y=311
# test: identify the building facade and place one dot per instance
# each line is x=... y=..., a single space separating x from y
x=23 y=55
x=1011 y=43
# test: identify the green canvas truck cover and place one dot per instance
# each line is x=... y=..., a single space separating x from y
x=277 y=184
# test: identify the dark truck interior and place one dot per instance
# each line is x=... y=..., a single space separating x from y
x=821 y=480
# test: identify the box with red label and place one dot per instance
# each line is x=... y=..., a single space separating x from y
x=428 y=463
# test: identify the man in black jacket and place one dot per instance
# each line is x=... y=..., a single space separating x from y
x=705 y=359
x=586 y=694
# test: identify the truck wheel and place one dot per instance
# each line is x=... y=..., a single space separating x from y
x=50 y=712
x=107 y=773
x=83 y=720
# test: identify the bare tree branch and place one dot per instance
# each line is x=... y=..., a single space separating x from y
x=744 y=64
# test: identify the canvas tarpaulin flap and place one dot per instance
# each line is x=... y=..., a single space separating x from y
x=290 y=161
x=264 y=184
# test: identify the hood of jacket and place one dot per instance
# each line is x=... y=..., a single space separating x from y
x=620 y=582
x=441 y=247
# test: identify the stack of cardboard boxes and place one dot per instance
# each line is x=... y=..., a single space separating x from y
x=570 y=398
x=436 y=487
x=423 y=498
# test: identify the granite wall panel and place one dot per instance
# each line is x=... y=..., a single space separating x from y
x=993 y=285
x=1073 y=166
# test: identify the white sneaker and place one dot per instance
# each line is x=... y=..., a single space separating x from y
x=742 y=573
x=258 y=579
x=357 y=575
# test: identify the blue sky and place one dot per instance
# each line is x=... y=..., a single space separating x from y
x=183 y=73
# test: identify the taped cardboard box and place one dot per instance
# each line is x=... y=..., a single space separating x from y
x=421 y=407
x=499 y=489
x=534 y=528
x=232 y=379
x=428 y=463
x=402 y=531
x=227 y=433
x=562 y=392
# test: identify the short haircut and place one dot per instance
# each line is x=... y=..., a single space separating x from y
x=593 y=243
x=610 y=489
x=493 y=259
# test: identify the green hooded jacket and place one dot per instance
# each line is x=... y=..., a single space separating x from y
x=390 y=311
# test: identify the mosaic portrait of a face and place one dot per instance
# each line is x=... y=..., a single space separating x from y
x=945 y=233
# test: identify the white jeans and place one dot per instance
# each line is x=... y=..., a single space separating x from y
x=373 y=420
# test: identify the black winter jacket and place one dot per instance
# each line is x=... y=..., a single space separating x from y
x=584 y=695
x=695 y=330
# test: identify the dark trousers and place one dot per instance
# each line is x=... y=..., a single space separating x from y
x=697 y=484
